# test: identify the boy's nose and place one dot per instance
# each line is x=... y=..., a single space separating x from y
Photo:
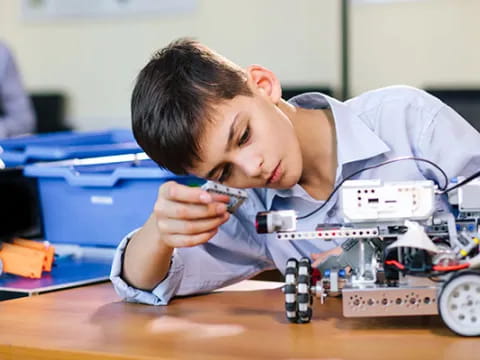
x=250 y=164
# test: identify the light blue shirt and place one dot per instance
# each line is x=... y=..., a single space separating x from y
x=371 y=128
x=17 y=117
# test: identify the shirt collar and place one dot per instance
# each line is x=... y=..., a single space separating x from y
x=355 y=140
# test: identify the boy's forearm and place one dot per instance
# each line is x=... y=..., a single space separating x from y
x=146 y=259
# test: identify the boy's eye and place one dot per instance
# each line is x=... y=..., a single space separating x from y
x=228 y=168
x=225 y=174
x=245 y=136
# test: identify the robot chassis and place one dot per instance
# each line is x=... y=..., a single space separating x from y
x=399 y=257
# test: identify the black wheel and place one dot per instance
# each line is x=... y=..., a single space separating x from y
x=290 y=290
x=298 y=300
x=459 y=303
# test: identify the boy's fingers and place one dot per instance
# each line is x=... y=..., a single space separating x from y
x=185 y=211
x=321 y=257
x=183 y=193
x=316 y=263
x=220 y=197
x=182 y=240
x=192 y=227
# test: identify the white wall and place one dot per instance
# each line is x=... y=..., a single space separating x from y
x=95 y=61
x=420 y=43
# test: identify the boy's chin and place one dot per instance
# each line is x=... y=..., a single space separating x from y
x=283 y=185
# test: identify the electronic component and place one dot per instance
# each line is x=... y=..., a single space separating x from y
x=404 y=257
x=373 y=200
x=472 y=242
x=328 y=234
x=276 y=221
x=469 y=196
x=237 y=196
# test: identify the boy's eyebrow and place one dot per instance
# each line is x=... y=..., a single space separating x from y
x=231 y=133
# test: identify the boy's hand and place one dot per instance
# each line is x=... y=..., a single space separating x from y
x=188 y=216
x=318 y=258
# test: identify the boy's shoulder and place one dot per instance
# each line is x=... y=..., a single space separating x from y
x=3 y=49
x=5 y=54
x=399 y=95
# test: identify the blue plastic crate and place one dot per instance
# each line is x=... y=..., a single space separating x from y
x=97 y=201
x=66 y=145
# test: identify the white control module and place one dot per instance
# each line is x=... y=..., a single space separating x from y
x=374 y=200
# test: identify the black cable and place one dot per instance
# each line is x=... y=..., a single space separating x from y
x=373 y=167
x=467 y=180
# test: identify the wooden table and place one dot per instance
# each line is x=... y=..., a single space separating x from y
x=91 y=323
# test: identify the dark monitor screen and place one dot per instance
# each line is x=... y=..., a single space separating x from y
x=50 y=111
x=464 y=101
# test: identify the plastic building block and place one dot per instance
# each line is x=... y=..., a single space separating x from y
x=26 y=258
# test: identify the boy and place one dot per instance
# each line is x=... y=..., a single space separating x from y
x=195 y=112
x=16 y=111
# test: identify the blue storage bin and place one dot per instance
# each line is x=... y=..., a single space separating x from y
x=98 y=201
x=66 y=145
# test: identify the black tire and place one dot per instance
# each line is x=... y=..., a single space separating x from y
x=298 y=299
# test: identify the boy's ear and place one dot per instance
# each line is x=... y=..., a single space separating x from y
x=265 y=81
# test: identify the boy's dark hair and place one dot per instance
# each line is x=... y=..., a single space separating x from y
x=173 y=97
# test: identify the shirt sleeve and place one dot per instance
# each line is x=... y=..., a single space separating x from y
x=131 y=294
x=452 y=143
x=18 y=117
x=234 y=254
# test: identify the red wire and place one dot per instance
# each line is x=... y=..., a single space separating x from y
x=436 y=268
x=451 y=268
x=395 y=263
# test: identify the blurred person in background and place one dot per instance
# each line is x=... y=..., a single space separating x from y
x=16 y=111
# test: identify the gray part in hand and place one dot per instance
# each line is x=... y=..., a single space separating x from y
x=237 y=196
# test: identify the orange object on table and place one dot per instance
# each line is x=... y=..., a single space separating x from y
x=26 y=257
x=48 y=249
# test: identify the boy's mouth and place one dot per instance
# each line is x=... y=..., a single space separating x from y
x=276 y=175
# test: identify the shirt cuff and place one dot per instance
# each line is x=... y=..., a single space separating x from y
x=161 y=294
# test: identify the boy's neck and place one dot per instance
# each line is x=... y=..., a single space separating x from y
x=316 y=134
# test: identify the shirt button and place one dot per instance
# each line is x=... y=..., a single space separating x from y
x=331 y=212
